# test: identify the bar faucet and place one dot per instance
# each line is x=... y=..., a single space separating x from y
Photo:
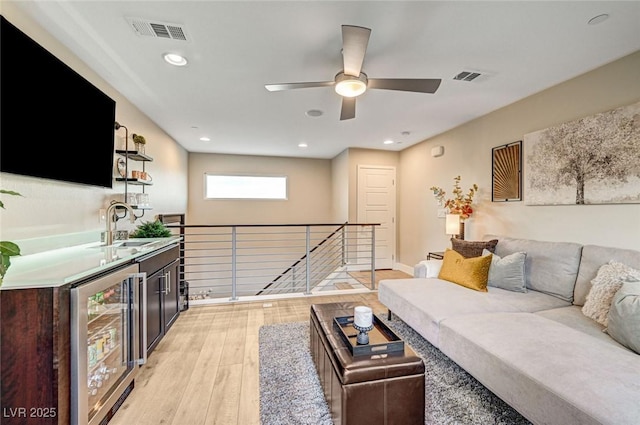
x=108 y=235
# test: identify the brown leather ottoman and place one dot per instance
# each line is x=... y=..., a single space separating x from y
x=368 y=389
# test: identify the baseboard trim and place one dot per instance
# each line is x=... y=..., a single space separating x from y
x=404 y=268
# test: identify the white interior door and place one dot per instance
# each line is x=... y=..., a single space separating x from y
x=376 y=189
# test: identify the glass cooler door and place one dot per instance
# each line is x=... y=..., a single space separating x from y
x=104 y=352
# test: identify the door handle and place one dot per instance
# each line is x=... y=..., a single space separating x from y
x=163 y=288
x=142 y=357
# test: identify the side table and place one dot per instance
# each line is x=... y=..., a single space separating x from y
x=438 y=255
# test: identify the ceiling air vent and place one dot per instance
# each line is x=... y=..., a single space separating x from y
x=467 y=76
x=147 y=28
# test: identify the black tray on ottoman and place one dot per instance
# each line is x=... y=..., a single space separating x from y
x=381 y=339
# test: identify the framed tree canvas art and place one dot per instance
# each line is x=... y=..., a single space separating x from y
x=592 y=160
x=506 y=164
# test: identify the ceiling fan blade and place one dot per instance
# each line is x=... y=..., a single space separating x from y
x=354 y=45
x=424 y=85
x=348 y=108
x=290 y=86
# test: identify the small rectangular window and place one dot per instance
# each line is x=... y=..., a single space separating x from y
x=245 y=187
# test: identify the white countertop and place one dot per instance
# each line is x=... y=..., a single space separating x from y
x=59 y=267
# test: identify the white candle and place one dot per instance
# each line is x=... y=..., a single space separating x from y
x=363 y=316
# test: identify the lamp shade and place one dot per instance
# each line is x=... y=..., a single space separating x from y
x=452 y=224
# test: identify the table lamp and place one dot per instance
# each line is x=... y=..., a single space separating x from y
x=452 y=225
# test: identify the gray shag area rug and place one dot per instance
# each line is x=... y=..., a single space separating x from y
x=290 y=391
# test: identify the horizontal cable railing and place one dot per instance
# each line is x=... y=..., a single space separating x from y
x=228 y=262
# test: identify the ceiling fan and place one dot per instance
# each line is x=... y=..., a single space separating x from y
x=352 y=82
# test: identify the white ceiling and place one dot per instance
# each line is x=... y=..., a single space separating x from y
x=234 y=48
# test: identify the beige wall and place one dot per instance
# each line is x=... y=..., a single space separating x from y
x=340 y=190
x=468 y=154
x=50 y=208
x=309 y=190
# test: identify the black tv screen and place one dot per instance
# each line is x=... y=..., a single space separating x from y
x=54 y=124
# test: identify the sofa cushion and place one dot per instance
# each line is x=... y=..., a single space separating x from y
x=604 y=286
x=550 y=373
x=551 y=267
x=572 y=316
x=470 y=249
x=594 y=256
x=624 y=316
x=508 y=272
x=469 y=272
x=424 y=303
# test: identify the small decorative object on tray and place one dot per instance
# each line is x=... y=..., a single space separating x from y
x=382 y=340
x=363 y=334
x=363 y=323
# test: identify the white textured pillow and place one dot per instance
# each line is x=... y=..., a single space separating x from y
x=624 y=316
x=507 y=272
x=604 y=286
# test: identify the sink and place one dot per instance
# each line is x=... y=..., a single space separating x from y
x=125 y=244
x=132 y=243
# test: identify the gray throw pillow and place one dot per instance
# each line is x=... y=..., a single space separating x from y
x=624 y=316
x=507 y=272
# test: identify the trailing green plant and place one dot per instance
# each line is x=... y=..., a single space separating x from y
x=151 y=229
x=8 y=249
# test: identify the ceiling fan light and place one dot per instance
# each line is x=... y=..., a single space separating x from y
x=350 y=86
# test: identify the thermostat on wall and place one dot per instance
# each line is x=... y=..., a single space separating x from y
x=437 y=151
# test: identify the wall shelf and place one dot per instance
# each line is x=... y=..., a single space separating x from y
x=134 y=155
x=137 y=182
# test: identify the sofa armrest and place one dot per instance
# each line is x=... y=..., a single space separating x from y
x=427 y=268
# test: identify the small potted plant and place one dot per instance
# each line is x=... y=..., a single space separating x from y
x=139 y=141
x=151 y=229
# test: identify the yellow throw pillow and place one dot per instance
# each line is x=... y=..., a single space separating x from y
x=471 y=273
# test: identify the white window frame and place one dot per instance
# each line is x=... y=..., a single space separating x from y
x=244 y=179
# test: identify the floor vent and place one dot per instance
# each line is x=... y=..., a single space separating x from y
x=467 y=76
x=146 y=28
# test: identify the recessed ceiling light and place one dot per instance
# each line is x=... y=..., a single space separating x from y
x=302 y=145
x=388 y=142
x=175 y=59
x=205 y=139
x=314 y=113
x=598 y=19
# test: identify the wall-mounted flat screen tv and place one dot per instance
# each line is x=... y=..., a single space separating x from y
x=54 y=124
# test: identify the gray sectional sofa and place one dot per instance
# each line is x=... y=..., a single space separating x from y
x=536 y=349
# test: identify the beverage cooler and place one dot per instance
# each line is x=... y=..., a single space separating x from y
x=106 y=319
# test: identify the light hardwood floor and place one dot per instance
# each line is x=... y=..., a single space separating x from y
x=205 y=370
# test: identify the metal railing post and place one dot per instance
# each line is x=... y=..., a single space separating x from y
x=373 y=257
x=344 y=245
x=234 y=295
x=308 y=265
x=294 y=283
